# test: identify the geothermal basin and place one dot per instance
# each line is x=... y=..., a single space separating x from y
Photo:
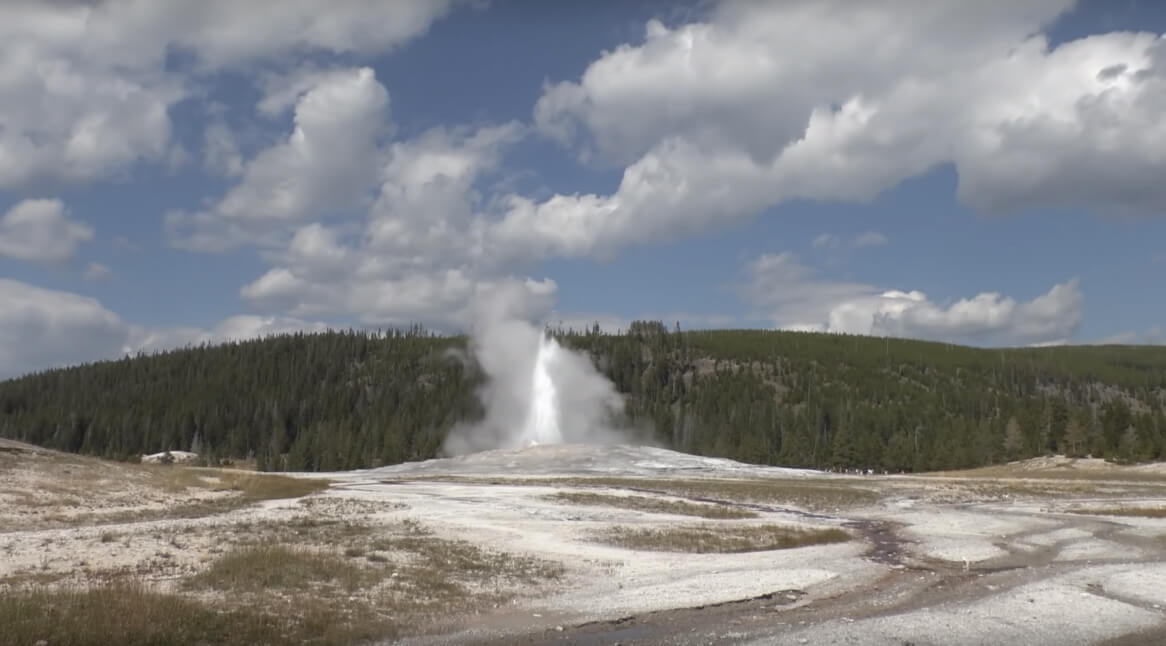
x=1031 y=553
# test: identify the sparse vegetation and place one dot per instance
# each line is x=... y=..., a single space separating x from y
x=280 y=567
x=1020 y=473
x=818 y=496
x=280 y=593
x=130 y=614
x=704 y=539
x=1138 y=512
x=249 y=485
x=653 y=505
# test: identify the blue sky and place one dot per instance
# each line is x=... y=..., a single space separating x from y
x=973 y=173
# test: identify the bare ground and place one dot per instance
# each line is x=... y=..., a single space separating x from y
x=510 y=547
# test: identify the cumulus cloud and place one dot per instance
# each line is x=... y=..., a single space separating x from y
x=1155 y=335
x=423 y=252
x=234 y=328
x=42 y=328
x=796 y=298
x=86 y=88
x=826 y=241
x=97 y=272
x=41 y=231
x=327 y=164
x=829 y=241
x=869 y=239
x=767 y=102
x=220 y=151
x=45 y=328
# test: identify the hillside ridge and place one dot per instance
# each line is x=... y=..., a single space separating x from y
x=352 y=399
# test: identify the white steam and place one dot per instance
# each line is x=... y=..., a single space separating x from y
x=542 y=415
x=536 y=392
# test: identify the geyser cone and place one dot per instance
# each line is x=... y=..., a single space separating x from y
x=542 y=418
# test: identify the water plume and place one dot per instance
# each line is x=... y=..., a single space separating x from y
x=536 y=391
x=542 y=415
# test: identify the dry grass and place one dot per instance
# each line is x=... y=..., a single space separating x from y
x=50 y=490
x=1115 y=473
x=285 y=594
x=279 y=567
x=653 y=505
x=133 y=615
x=376 y=582
x=816 y=496
x=301 y=529
x=129 y=615
x=977 y=490
x=796 y=493
x=249 y=485
x=707 y=539
x=1139 y=512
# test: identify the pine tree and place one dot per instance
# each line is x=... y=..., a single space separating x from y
x=1130 y=445
x=1075 y=439
x=1013 y=439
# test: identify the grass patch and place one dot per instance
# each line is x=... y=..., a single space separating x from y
x=653 y=505
x=33 y=578
x=268 y=567
x=1115 y=473
x=704 y=539
x=1139 y=512
x=128 y=615
x=133 y=615
x=301 y=529
x=395 y=580
x=817 y=496
x=67 y=498
x=251 y=486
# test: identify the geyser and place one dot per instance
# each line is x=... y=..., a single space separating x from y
x=536 y=391
x=542 y=417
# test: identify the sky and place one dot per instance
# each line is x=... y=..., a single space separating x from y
x=177 y=173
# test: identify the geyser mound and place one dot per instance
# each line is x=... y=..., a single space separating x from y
x=537 y=392
x=582 y=460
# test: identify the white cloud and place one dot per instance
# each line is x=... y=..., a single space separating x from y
x=234 y=328
x=768 y=102
x=423 y=254
x=1155 y=335
x=44 y=328
x=831 y=242
x=826 y=241
x=39 y=230
x=85 y=89
x=221 y=151
x=795 y=298
x=97 y=271
x=327 y=164
x=869 y=239
x=41 y=328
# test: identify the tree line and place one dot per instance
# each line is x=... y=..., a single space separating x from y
x=358 y=399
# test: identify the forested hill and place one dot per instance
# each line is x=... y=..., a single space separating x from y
x=344 y=400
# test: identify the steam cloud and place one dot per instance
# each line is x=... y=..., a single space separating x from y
x=537 y=392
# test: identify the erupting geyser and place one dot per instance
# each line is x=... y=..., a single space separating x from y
x=536 y=391
x=542 y=417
